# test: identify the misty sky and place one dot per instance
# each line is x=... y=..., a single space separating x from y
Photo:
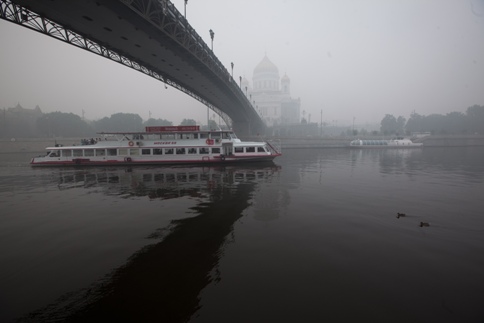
x=352 y=59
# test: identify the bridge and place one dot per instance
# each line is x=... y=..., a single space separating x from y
x=150 y=36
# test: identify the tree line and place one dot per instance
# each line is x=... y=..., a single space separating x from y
x=454 y=123
x=20 y=122
x=25 y=123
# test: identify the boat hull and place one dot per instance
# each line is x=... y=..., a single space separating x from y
x=386 y=147
x=42 y=162
x=397 y=143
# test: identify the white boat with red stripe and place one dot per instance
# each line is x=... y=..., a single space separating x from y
x=160 y=146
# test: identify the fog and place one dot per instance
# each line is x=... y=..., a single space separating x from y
x=353 y=60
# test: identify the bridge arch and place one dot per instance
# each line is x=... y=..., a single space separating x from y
x=149 y=36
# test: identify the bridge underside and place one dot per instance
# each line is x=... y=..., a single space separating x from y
x=148 y=35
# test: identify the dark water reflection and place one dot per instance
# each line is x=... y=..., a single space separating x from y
x=162 y=280
x=313 y=239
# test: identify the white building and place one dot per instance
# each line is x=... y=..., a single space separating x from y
x=271 y=95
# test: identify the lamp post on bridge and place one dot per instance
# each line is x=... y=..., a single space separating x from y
x=240 y=81
x=186 y=9
x=232 y=64
x=211 y=36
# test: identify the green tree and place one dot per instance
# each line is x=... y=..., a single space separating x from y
x=157 y=122
x=435 y=123
x=389 y=125
x=475 y=115
x=188 y=122
x=401 y=125
x=56 y=124
x=456 y=123
x=415 y=123
x=120 y=122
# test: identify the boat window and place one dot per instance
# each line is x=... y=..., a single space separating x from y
x=215 y=150
x=203 y=135
x=168 y=151
x=54 y=153
x=77 y=152
x=238 y=149
x=261 y=150
x=215 y=135
x=157 y=151
x=111 y=152
x=100 y=152
x=167 y=136
x=250 y=149
x=203 y=150
x=66 y=153
x=89 y=152
x=134 y=152
x=180 y=151
x=192 y=150
x=123 y=151
x=145 y=151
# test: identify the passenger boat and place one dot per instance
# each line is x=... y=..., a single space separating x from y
x=392 y=143
x=160 y=146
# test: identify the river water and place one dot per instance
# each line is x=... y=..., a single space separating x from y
x=312 y=237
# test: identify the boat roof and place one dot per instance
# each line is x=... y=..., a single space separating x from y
x=164 y=130
x=157 y=132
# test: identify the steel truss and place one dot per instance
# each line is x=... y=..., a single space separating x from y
x=161 y=13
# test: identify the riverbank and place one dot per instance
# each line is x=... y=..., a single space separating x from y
x=343 y=142
x=37 y=145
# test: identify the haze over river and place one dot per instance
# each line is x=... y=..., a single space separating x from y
x=312 y=237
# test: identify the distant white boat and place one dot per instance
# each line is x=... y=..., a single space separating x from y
x=160 y=146
x=392 y=143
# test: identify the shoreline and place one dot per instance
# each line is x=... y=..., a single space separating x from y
x=37 y=145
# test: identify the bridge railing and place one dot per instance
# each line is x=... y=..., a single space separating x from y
x=185 y=35
x=163 y=15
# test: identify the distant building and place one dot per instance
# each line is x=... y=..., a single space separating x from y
x=271 y=95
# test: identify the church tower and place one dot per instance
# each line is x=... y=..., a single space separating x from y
x=271 y=95
x=286 y=85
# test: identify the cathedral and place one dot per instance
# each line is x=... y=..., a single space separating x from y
x=271 y=95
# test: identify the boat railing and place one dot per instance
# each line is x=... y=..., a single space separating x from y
x=275 y=146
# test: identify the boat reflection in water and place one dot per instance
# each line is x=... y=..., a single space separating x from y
x=166 y=182
x=163 y=281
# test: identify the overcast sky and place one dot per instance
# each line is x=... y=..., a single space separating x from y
x=350 y=59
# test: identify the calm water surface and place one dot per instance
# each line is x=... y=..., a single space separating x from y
x=312 y=237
